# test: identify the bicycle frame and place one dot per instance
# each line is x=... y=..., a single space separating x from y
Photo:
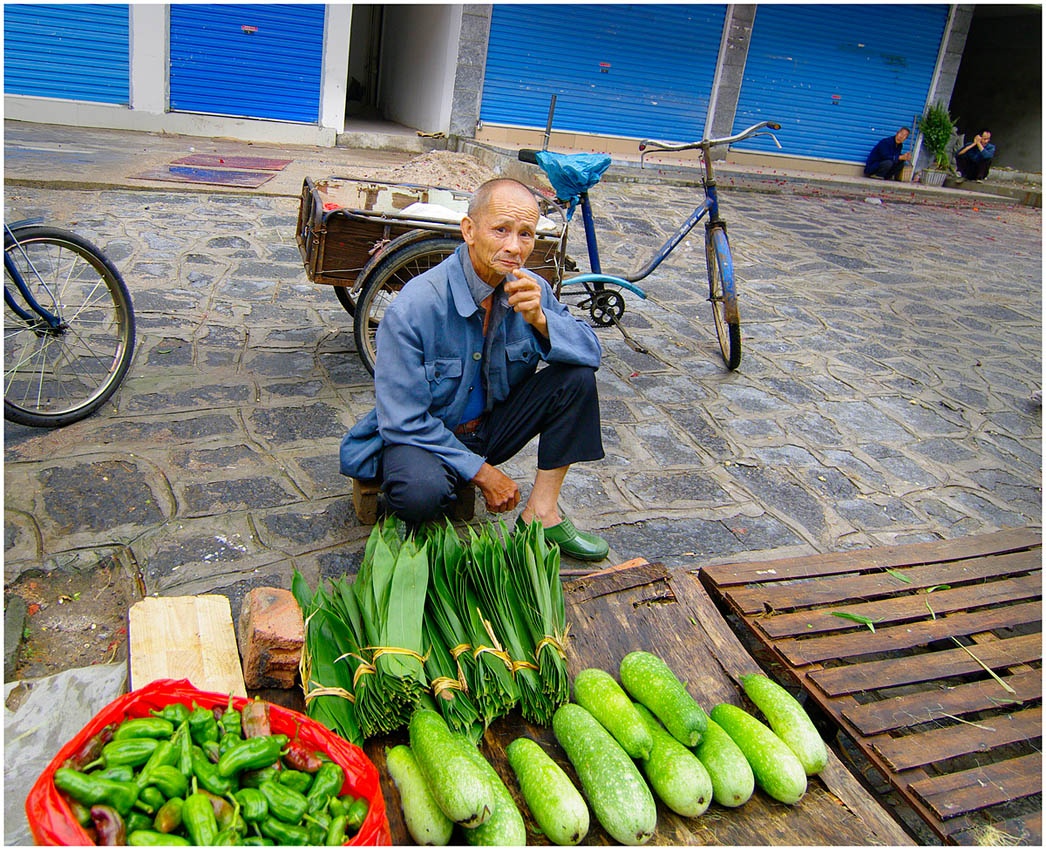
x=52 y=321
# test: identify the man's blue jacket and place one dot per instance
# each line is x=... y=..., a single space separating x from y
x=429 y=353
x=886 y=149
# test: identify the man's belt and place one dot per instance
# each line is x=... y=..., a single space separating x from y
x=469 y=427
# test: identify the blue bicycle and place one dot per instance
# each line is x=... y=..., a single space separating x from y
x=572 y=175
x=68 y=326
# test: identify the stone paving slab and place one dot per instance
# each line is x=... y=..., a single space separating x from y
x=890 y=352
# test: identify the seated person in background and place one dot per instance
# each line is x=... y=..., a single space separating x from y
x=975 y=159
x=456 y=385
x=886 y=160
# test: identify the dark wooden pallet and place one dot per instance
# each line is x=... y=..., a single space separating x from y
x=646 y=606
x=958 y=743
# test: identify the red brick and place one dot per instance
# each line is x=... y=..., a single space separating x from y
x=271 y=636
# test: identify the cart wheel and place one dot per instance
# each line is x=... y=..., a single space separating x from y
x=606 y=307
x=384 y=284
x=342 y=294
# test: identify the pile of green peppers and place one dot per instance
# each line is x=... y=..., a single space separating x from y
x=206 y=777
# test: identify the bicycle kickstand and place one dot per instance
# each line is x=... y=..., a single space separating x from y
x=635 y=346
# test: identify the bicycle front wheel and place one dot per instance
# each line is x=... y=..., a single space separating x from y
x=384 y=284
x=54 y=376
x=723 y=295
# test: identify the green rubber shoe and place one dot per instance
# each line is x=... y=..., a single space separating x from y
x=577 y=544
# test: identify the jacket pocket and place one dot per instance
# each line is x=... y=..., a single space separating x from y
x=443 y=376
x=521 y=351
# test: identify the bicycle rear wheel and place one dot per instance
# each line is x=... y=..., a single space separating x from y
x=723 y=295
x=57 y=376
x=385 y=282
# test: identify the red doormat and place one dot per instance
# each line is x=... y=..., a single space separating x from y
x=213 y=160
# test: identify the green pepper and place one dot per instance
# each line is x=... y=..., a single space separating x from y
x=252 y=753
x=199 y=820
x=254 y=778
x=203 y=726
x=284 y=833
x=92 y=790
x=258 y=841
x=108 y=826
x=166 y=753
x=148 y=838
x=184 y=748
x=119 y=772
x=90 y=750
x=169 y=817
x=170 y=781
x=320 y=819
x=176 y=712
x=357 y=813
x=284 y=803
x=79 y=810
x=317 y=834
x=227 y=838
x=207 y=774
x=137 y=820
x=230 y=721
x=336 y=831
x=144 y=727
x=295 y=779
x=132 y=751
x=252 y=804
x=228 y=741
x=211 y=749
x=326 y=783
x=150 y=799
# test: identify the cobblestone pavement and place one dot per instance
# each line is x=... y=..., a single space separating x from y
x=889 y=355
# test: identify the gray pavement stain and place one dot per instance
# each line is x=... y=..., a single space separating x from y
x=889 y=355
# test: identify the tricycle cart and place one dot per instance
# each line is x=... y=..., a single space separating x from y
x=367 y=239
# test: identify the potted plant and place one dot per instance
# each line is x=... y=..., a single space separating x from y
x=937 y=128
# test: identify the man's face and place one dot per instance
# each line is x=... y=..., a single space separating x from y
x=501 y=238
x=902 y=134
x=986 y=137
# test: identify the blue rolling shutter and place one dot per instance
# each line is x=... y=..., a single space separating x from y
x=255 y=61
x=615 y=70
x=838 y=78
x=77 y=52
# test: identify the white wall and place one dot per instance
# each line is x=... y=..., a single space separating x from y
x=418 y=63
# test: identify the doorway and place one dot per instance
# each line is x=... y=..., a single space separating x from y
x=365 y=43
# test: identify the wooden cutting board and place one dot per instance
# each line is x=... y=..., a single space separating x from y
x=185 y=637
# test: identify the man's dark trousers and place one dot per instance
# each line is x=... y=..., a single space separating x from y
x=559 y=402
x=888 y=169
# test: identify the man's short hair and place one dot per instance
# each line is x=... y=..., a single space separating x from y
x=481 y=198
x=982 y=132
x=908 y=130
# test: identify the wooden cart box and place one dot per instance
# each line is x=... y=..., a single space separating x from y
x=343 y=223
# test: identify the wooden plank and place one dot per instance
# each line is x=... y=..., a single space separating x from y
x=1026 y=831
x=904 y=608
x=185 y=637
x=901 y=555
x=926 y=667
x=934 y=745
x=789 y=594
x=799 y=652
x=613 y=581
x=980 y=787
x=897 y=712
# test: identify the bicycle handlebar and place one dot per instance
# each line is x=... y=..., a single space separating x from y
x=655 y=145
x=527 y=155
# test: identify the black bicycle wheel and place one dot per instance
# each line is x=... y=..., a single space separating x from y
x=57 y=376
x=342 y=294
x=723 y=296
x=385 y=282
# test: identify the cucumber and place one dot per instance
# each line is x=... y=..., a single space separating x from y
x=596 y=691
x=505 y=826
x=459 y=789
x=651 y=682
x=425 y=821
x=674 y=772
x=617 y=793
x=555 y=803
x=776 y=768
x=789 y=721
x=729 y=770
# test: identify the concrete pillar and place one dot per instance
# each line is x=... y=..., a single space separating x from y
x=335 y=73
x=150 y=64
x=730 y=71
x=471 y=65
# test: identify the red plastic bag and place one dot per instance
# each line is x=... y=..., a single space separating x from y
x=52 y=823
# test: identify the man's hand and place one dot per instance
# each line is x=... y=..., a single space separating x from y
x=499 y=491
x=524 y=296
x=904 y=157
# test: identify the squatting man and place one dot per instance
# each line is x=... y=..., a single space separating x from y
x=456 y=384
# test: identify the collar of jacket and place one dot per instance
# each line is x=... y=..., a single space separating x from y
x=464 y=303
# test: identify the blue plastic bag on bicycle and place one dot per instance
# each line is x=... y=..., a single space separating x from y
x=572 y=174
